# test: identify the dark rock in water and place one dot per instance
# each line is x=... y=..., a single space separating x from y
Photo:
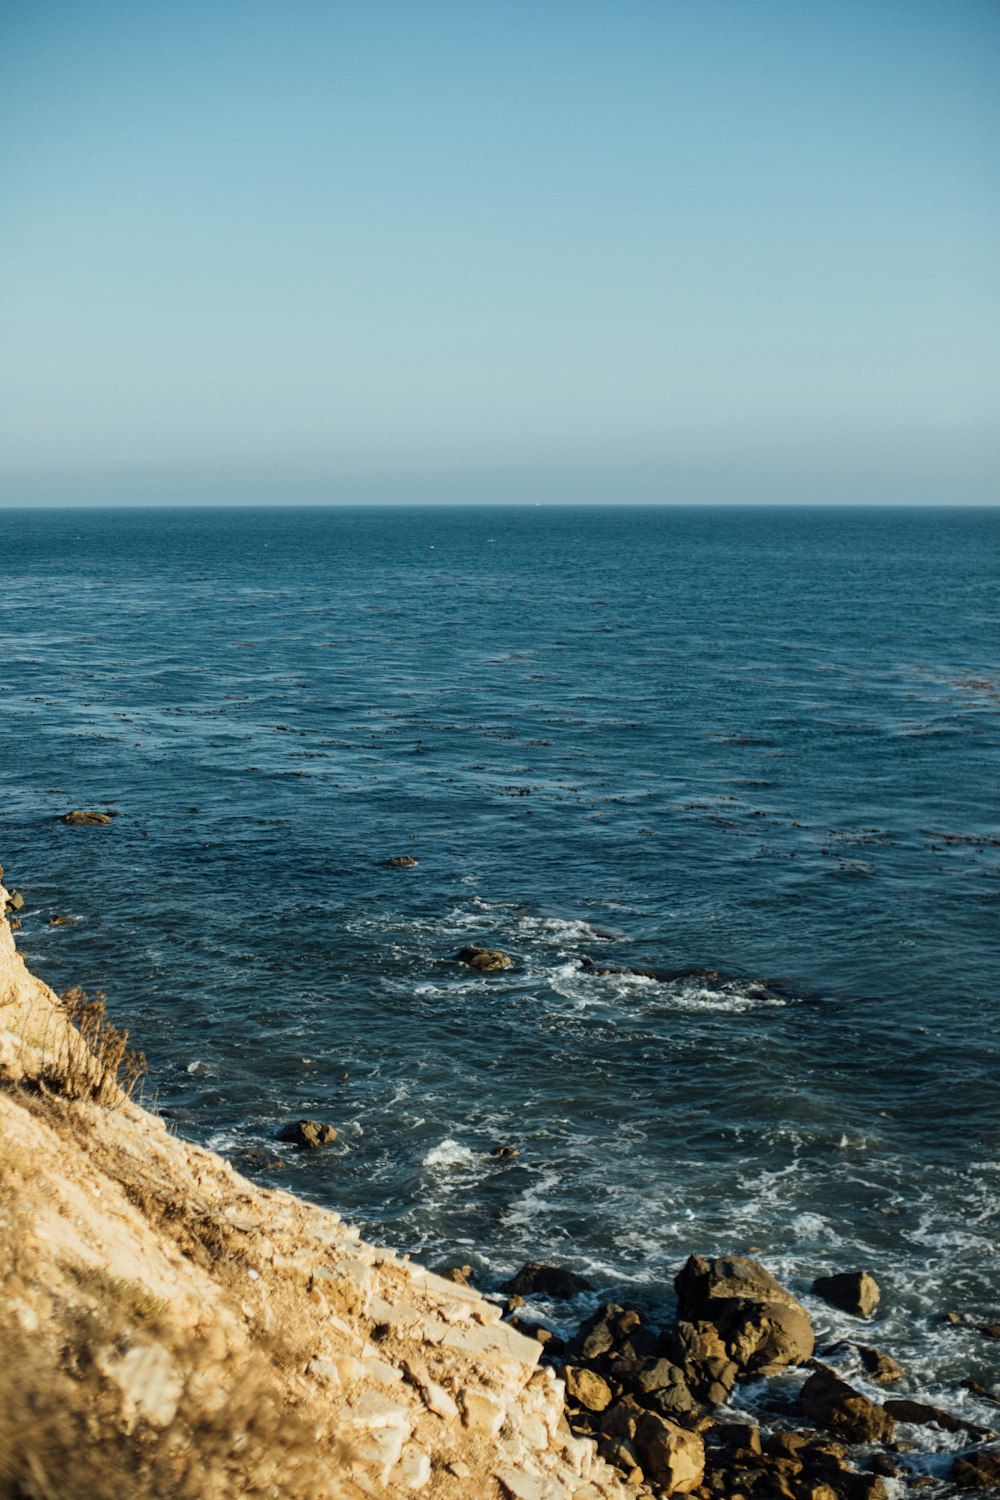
x=854 y=1292
x=547 y=1281
x=879 y=1367
x=486 y=960
x=586 y=1388
x=978 y=1471
x=58 y=922
x=505 y=1153
x=982 y=1391
x=844 y=1411
x=401 y=862
x=308 y=1135
x=988 y=1330
x=924 y=1415
x=589 y=967
x=82 y=819
x=763 y=1327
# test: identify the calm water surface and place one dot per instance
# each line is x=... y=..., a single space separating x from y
x=757 y=742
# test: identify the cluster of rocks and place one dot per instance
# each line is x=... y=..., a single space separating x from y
x=650 y=1396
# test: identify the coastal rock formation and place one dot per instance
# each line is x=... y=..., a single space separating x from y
x=84 y=819
x=762 y=1327
x=854 y=1292
x=486 y=960
x=308 y=1135
x=844 y=1411
x=170 y=1328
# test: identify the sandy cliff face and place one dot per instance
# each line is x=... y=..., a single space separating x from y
x=167 y=1328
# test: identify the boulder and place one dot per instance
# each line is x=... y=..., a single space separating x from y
x=56 y=921
x=586 y=1388
x=977 y=1471
x=880 y=1368
x=703 y=1282
x=922 y=1414
x=486 y=960
x=844 y=1411
x=661 y=1386
x=698 y=1349
x=854 y=1292
x=546 y=1281
x=83 y=819
x=401 y=862
x=762 y=1327
x=307 y=1134
x=15 y=901
x=670 y=1455
x=505 y=1152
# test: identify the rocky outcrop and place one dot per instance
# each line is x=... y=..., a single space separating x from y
x=854 y=1292
x=486 y=960
x=171 y=1328
x=847 y=1413
x=762 y=1328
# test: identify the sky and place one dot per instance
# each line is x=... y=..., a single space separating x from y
x=681 y=251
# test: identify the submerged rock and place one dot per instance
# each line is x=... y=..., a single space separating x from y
x=85 y=819
x=308 y=1135
x=546 y=1281
x=854 y=1292
x=401 y=862
x=505 y=1152
x=486 y=960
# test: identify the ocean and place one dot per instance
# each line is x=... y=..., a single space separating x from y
x=755 y=749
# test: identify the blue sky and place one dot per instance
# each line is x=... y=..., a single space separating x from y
x=720 y=250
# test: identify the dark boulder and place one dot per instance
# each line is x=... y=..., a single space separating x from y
x=546 y=1281
x=763 y=1328
x=854 y=1292
x=879 y=1367
x=84 y=819
x=924 y=1415
x=308 y=1135
x=841 y=1409
x=401 y=862
x=978 y=1471
x=486 y=960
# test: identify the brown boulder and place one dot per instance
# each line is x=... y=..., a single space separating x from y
x=854 y=1292
x=978 y=1471
x=924 y=1415
x=586 y=1388
x=83 y=819
x=546 y=1281
x=486 y=960
x=842 y=1410
x=308 y=1135
x=879 y=1367
x=401 y=862
x=671 y=1457
x=702 y=1282
x=762 y=1326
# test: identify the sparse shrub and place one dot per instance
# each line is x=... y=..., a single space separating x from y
x=91 y=1058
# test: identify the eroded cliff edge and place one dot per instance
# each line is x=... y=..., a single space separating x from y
x=168 y=1328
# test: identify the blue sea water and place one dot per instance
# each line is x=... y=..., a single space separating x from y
x=761 y=743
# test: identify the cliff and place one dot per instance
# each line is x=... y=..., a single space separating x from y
x=170 y=1329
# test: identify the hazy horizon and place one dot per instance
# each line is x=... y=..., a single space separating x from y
x=431 y=254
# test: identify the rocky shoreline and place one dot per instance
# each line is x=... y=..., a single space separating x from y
x=147 y=1288
x=659 y=1400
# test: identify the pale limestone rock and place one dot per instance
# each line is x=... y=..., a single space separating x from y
x=482 y=1412
x=380 y=1450
x=149 y=1381
x=413 y=1469
x=373 y=1410
x=520 y=1486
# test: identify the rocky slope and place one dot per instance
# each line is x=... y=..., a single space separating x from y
x=170 y=1329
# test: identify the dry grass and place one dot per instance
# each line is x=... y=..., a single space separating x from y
x=90 y=1058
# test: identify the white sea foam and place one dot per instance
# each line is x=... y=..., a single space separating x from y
x=449 y=1153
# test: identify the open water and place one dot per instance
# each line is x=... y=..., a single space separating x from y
x=757 y=742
